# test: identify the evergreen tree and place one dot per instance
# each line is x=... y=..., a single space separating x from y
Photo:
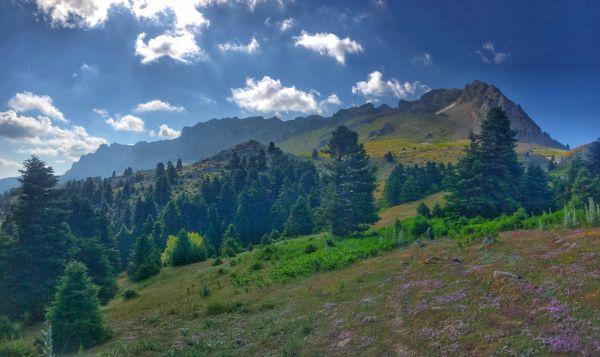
x=593 y=157
x=41 y=240
x=389 y=157
x=125 y=240
x=393 y=186
x=145 y=259
x=94 y=256
x=171 y=219
x=231 y=242
x=181 y=250
x=437 y=210
x=172 y=173
x=162 y=191
x=537 y=195
x=75 y=314
x=350 y=205
x=179 y=165
x=423 y=210
x=160 y=171
x=489 y=174
x=552 y=164
x=315 y=154
x=300 y=221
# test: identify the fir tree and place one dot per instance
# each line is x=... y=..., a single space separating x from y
x=160 y=171
x=231 y=242
x=315 y=154
x=537 y=195
x=423 y=210
x=181 y=250
x=95 y=257
x=350 y=206
x=75 y=314
x=389 y=157
x=179 y=165
x=41 y=241
x=489 y=174
x=172 y=174
x=144 y=261
x=162 y=191
x=593 y=157
x=437 y=210
x=300 y=221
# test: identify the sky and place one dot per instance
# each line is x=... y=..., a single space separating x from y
x=77 y=74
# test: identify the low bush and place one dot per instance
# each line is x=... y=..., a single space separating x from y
x=130 y=294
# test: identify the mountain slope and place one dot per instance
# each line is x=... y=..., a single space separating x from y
x=441 y=115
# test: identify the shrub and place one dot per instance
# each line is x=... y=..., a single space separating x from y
x=421 y=228
x=218 y=307
x=16 y=348
x=330 y=243
x=423 y=210
x=130 y=294
x=185 y=248
x=311 y=248
x=9 y=329
x=204 y=289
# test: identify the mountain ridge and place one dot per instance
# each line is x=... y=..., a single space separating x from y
x=454 y=113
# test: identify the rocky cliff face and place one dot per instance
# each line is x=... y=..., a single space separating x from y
x=468 y=107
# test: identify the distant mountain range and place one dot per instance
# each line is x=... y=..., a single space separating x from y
x=439 y=115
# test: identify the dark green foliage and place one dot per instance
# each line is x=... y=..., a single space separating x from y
x=593 y=157
x=437 y=210
x=172 y=174
x=182 y=249
x=300 y=221
x=144 y=261
x=39 y=247
x=423 y=210
x=410 y=183
x=130 y=294
x=8 y=328
x=95 y=257
x=230 y=246
x=311 y=248
x=389 y=157
x=315 y=154
x=179 y=165
x=75 y=314
x=489 y=174
x=349 y=204
x=537 y=196
x=421 y=227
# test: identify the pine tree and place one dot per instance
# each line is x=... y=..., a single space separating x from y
x=315 y=154
x=300 y=221
x=162 y=191
x=389 y=157
x=423 y=210
x=145 y=259
x=393 y=186
x=172 y=174
x=179 y=165
x=171 y=219
x=95 y=256
x=75 y=314
x=350 y=205
x=231 y=242
x=537 y=195
x=593 y=157
x=181 y=250
x=437 y=210
x=41 y=240
x=160 y=171
x=489 y=174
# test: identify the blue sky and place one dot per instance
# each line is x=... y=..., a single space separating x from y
x=77 y=74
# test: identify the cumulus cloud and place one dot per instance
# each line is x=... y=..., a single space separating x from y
x=489 y=54
x=165 y=132
x=126 y=123
x=250 y=48
x=180 y=47
x=424 y=59
x=9 y=167
x=157 y=105
x=287 y=24
x=375 y=87
x=328 y=44
x=331 y=100
x=77 y=13
x=26 y=101
x=268 y=95
x=41 y=137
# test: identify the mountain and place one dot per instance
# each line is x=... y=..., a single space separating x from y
x=8 y=183
x=441 y=115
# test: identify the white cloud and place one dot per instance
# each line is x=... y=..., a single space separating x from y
x=375 y=87
x=424 y=59
x=489 y=54
x=269 y=96
x=41 y=137
x=26 y=101
x=157 y=105
x=287 y=24
x=332 y=100
x=165 y=132
x=77 y=13
x=102 y=112
x=126 y=123
x=180 y=47
x=250 y=48
x=328 y=44
x=9 y=168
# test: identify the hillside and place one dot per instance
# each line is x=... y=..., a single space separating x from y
x=420 y=300
x=440 y=116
